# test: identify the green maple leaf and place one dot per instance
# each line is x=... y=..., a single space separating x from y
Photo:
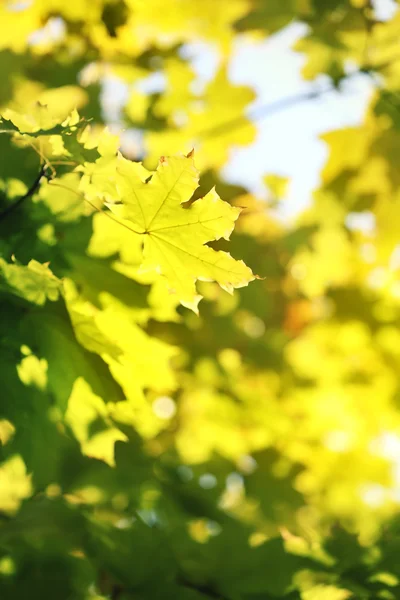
x=175 y=235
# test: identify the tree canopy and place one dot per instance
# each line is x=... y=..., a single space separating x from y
x=199 y=400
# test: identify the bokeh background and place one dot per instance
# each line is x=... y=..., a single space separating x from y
x=251 y=451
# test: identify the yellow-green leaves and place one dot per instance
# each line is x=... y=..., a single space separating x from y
x=34 y=282
x=212 y=122
x=174 y=234
x=15 y=484
x=37 y=111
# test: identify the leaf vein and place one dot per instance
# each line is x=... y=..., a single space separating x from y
x=166 y=197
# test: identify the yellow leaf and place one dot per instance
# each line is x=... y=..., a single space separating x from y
x=174 y=236
x=15 y=484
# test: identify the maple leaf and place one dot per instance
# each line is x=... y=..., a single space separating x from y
x=175 y=235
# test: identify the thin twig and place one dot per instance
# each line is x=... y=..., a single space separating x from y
x=205 y=590
x=35 y=186
x=264 y=111
x=271 y=108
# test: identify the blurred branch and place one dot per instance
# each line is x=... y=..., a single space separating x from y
x=35 y=186
x=206 y=590
x=264 y=111
x=267 y=110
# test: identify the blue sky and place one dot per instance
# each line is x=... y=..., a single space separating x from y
x=288 y=142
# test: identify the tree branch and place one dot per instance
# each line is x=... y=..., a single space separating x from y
x=206 y=590
x=35 y=185
x=264 y=111
x=269 y=109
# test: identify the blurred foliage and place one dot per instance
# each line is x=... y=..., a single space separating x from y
x=151 y=447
